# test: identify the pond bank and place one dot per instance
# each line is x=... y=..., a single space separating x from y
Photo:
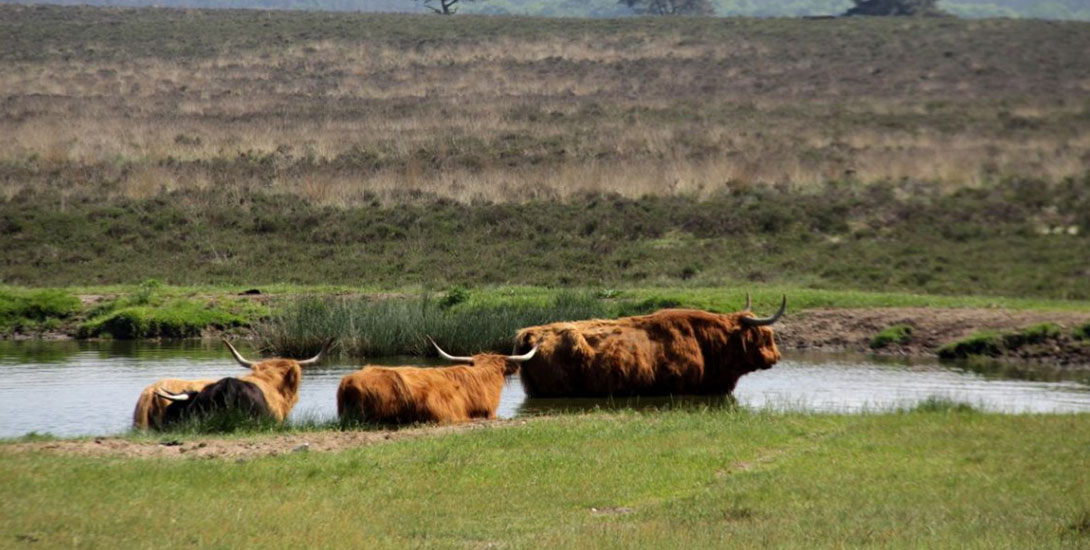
x=171 y=445
x=827 y=329
x=291 y=320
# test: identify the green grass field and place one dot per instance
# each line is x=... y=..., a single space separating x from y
x=941 y=477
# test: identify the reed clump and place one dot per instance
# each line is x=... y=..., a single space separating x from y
x=367 y=328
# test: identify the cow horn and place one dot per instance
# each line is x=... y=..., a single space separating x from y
x=749 y=303
x=313 y=360
x=448 y=356
x=760 y=322
x=524 y=357
x=172 y=396
x=238 y=357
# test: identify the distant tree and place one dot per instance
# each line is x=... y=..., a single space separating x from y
x=895 y=7
x=446 y=7
x=671 y=7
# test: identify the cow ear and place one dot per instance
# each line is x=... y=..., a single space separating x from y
x=291 y=378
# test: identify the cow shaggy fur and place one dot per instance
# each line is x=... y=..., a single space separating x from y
x=277 y=380
x=232 y=399
x=406 y=395
x=669 y=352
x=151 y=408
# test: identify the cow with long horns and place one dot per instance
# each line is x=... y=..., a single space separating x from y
x=406 y=395
x=151 y=407
x=669 y=352
x=269 y=391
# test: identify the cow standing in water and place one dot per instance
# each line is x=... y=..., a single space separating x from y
x=669 y=352
x=269 y=391
x=405 y=395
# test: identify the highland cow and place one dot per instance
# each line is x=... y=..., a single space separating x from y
x=270 y=390
x=151 y=408
x=405 y=395
x=669 y=352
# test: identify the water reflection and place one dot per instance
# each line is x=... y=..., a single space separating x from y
x=89 y=388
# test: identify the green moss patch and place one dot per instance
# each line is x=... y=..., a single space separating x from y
x=176 y=319
x=897 y=334
x=21 y=309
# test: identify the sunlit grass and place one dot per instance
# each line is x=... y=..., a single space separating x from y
x=936 y=477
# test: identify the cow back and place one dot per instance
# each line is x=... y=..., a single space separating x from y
x=670 y=352
x=230 y=397
x=150 y=408
x=405 y=395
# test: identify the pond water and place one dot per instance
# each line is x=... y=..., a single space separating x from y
x=90 y=388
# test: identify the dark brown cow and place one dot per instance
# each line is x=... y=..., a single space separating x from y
x=151 y=407
x=404 y=395
x=669 y=352
x=271 y=389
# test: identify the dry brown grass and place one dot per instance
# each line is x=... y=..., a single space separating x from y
x=506 y=118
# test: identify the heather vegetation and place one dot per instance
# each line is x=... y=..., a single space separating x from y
x=245 y=148
x=1051 y=9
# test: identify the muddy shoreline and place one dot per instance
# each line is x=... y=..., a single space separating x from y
x=852 y=330
x=211 y=446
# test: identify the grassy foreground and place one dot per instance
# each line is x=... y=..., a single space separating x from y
x=938 y=477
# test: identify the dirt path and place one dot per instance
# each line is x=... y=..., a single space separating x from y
x=240 y=448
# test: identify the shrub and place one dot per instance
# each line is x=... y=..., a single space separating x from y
x=453 y=297
x=1082 y=332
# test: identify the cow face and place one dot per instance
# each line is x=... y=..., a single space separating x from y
x=760 y=347
x=283 y=374
x=758 y=340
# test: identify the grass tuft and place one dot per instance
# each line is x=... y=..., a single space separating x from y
x=364 y=327
x=896 y=334
x=985 y=342
x=1081 y=332
x=35 y=309
x=1033 y=334
x=175 y=319
x=938 y=404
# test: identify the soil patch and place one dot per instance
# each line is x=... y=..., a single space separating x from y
x=241 y=448
x=853 y=329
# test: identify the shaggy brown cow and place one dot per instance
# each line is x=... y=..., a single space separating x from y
x=404 y=395
x=276 y=379
x=669 y=352
x=151 y=408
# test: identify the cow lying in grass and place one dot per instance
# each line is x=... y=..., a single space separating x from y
x=405 y=395
x=270 y=391
x=151 y=408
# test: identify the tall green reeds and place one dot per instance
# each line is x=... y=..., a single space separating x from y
x=365 y=327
